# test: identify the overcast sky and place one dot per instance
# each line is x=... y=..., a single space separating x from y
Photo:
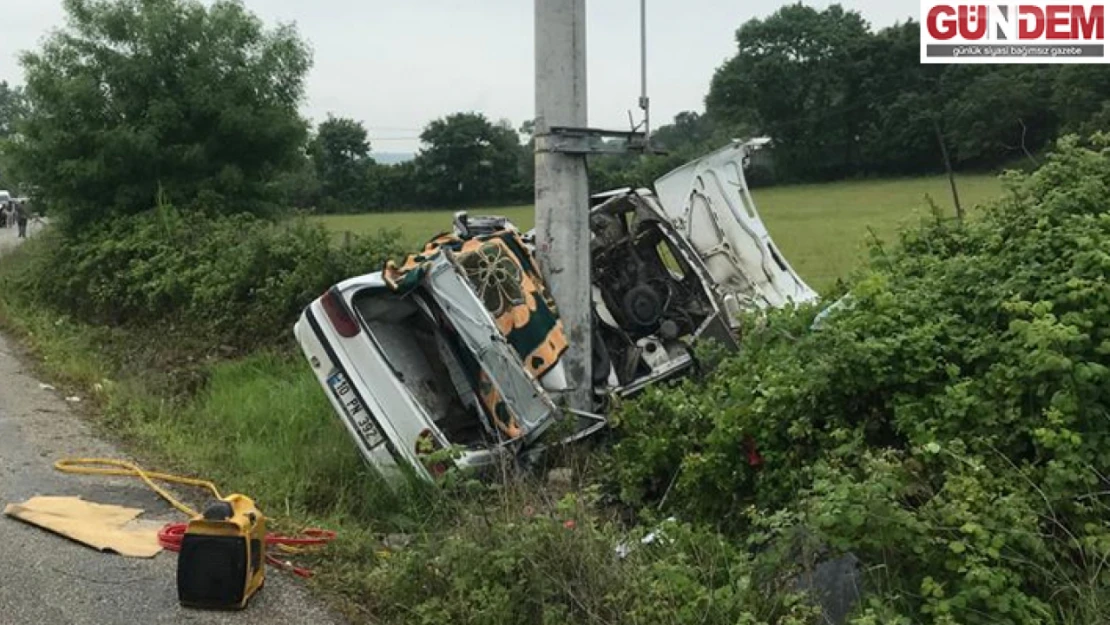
x=397 y=64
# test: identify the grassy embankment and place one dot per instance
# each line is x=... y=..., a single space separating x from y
x=258 y=425
x=261 y=424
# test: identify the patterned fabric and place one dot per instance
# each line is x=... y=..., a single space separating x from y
x=503 y=273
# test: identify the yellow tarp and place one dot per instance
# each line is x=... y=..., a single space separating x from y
x=100 y=526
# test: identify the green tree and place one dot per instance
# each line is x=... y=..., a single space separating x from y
x=796 y=77
x=13 y=108
x=299 y=187
x=340 y=152
x=898 y=134
x=840 y=100
x=998 y=113
x=468 y=159
x=136 y=97
x=397 y=185
x=689 y=131
x=1081 y=97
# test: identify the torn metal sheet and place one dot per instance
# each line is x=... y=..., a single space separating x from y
x=502 y=365
x=708 y=201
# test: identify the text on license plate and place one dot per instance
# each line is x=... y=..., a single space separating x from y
x=357 y=414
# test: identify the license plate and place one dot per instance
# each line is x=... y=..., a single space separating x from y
x=356 y=412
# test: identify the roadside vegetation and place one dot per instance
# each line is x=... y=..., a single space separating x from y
x=947 y=426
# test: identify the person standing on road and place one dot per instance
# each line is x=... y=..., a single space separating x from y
x=21 y=219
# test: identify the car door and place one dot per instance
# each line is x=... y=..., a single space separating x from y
x=709 y=203
x=532 y=407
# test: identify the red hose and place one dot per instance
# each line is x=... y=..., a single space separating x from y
x=171 y=535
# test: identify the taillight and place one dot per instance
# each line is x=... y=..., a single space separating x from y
x=339 y=315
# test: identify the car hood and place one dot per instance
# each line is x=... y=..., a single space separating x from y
x=709 y=204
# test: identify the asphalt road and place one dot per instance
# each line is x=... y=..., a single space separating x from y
x=46 y=579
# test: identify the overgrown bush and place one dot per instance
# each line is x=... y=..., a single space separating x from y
x=950 y=425
x=520 y=558
x=129 y=99
x=237 y=280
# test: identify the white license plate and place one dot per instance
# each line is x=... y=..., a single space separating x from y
x=357 y=414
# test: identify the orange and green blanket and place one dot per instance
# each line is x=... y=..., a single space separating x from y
x=503 y=272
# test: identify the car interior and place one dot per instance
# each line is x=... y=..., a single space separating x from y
x=429 y=360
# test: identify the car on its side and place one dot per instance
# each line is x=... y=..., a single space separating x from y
x=460 y=348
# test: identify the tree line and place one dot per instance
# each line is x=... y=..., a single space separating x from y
x=104 y=131
x=466 y=159
x=840 y=99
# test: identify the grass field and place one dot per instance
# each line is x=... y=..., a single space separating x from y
x=420 y=225
x=821 y=228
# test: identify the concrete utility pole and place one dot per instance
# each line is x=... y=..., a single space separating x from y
x=645 y=102
x=562 y=188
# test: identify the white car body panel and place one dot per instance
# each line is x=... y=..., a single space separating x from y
x=399 y=416
x=709 y=203
x=365 y=368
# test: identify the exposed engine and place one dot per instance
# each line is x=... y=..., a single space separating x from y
x=649 y=303
x=649 y=297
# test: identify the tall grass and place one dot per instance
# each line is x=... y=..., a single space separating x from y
x=266 y=429
x=259 y=425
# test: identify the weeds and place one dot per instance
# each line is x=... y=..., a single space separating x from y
x=513 y=551
x=947 y=427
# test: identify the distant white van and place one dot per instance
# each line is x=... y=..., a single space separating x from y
x=5 y=197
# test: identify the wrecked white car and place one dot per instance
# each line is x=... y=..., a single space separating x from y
x=459 y=348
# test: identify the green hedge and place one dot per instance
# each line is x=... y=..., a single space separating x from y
x=951 y=425
x=238 y=280
x=519 y=558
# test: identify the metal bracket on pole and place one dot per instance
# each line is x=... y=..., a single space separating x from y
x=585 y=141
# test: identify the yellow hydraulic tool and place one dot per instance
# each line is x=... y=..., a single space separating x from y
x=222 y=550
x=222 y=561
